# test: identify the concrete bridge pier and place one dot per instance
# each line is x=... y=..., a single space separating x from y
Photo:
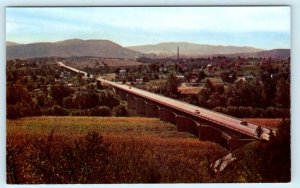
x=185 y=124
x=152 y=110
x=208 y=133
x=141 y=106
x=167 y=115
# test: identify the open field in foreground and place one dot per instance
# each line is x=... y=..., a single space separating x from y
x=105 y=150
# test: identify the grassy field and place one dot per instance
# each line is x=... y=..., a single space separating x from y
x=107 y=126
x=137 y=150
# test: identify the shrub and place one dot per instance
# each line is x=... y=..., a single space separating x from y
x=22 y=109
x=99 y=111
x=121 y=110
x=56 y=111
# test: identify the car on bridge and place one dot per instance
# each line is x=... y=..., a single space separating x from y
x=244 y=123
x=197 y=112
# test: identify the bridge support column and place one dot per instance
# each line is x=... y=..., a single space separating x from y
x=167 y=115
x=208 y=133
x=152 y=110
x=235 y=143
x=185 y=124
x=141 y=106
x=131 y=100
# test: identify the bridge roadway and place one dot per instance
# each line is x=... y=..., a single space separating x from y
x=229 y=122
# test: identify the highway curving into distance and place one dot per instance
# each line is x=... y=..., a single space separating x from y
x=229 y=122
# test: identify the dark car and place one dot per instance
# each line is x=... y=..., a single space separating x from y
x=197 y=111
x=244 y=123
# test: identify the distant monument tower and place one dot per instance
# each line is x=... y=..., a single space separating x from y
x=177 y=53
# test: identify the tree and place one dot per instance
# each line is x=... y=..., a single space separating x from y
x=99 y=111
x=68 y=102
x=16 y=93
x=282 y=97
x=121 y=110
x=215 y=100
x=201 y=75
x=203 y=97
x=171 y=85
x=228 y=76
x=58 y=92
x=209 y=86
x=276 y=155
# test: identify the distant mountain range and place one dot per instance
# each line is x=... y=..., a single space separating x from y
x=68 y=48
x=109 y=49
x=275 y=53
x=191 y=49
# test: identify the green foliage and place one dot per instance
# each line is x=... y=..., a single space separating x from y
x=170 y=87
x=108 y=98
x=276 y=156
x=283 y=97
x=121 y=110
x=96 y=111
x=53 y=160
x=16 y=93
x=58 y=92
x=228 y=76
x=243 y=111
x=262 y=161
x=23 y=109
x=56 y=110
x=99 y=111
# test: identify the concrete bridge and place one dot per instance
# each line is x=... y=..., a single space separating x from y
x=205 y=124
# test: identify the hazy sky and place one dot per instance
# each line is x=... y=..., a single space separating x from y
x=262 y=27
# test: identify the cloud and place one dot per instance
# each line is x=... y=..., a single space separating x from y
x=130 y=24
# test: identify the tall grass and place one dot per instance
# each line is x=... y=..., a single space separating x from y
x=105 y=150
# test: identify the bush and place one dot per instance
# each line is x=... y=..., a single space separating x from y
x=23 y=109
x=121 y=110
x=99 y=111
x=12 y=112
x=56 y=111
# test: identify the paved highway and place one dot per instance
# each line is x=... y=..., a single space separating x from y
x=215 y=117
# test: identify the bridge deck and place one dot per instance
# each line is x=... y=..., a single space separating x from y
x=209 y=115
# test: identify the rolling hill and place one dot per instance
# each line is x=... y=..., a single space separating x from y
x=11 y=44
x=109 y=49
x=191 y=49
x=275 y=53
x=68 y=48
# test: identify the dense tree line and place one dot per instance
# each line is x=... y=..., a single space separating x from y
x=31 y=91
x=249 y=98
